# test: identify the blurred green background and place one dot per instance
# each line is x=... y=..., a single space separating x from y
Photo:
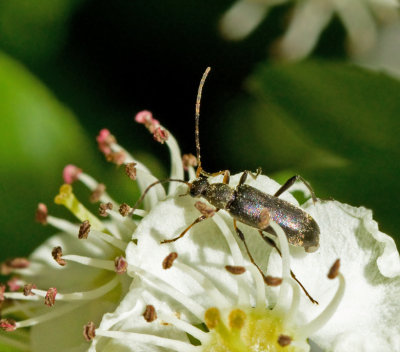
x=71 y=67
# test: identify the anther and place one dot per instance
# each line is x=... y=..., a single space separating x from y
x=212 y=317
x=169 y=260
x=120 y=265
x=204 y=209
x=57 y=255
x=236 y=319
x=97 y=193
x=84 y=230
x=71 y=173
x=150 y=313
x=104 y=207
x=50 y=298
x=9 y=265
x=7 y=325
x=160 y=135
x=41 y=214
x=235 y=270
x=89 y=331
x=104 y=140
x=188 y=160
x=145 y=117
x=284 y=340
x=272 y=281
x=124 y=209
x=334 y=270
x=130 y=170
x=28 y=289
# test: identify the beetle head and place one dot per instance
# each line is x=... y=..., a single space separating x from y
x=199 y=186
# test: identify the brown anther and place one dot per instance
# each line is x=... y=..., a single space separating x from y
x=57 y=255
x=160 y=135
x=2 y=290
x=16 y=263
x=28 y=289
x=104 y=207
x=7 y=324
x=264 y=219
x=150 y=313
x=169 y=260
x=97 y=193
x=41 y=214
x=84 y=230
x=50 y=298
x=334 y=270
x=117 y=158
x=89 y=331
x=206 y=210
x=124 y=209
x=130 y=170
x=188 y=160
x=284 y=340
x=120 y=265
x=272 y=281
x=235 y=270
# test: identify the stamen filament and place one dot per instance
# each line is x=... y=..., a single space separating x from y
x=195 y=308
x=261 y=299
x=176 y=163
x=96 y=263
x=92 y=184
x=217 y=297
x=126 y=223
x=175 y=345
x=53 y=313
x=318 y=322
x=110 y=239
x=63 y=225
x=289 y=316
x=191 y=172
x=238 y=260
x=202 y=336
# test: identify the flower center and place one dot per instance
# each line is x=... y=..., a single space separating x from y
x=247 y=329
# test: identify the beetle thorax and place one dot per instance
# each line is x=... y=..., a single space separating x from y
x=219 y=195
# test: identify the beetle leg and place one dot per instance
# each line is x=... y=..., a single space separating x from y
x=272 y=243
x=290 y=182
x=227 y=176
x=241 y=236
x=243 y=178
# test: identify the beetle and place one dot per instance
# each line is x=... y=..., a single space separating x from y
x=249 y=205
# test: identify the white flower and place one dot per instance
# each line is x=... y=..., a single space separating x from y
x=200 y=293
x=360 y=18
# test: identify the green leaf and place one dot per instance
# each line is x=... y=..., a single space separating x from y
x=335 y=124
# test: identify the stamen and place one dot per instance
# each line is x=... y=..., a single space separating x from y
x=57 y=255
x=318 y=322
x=160 y=135
x=104 y=207
x=273 y=281
x=200 y=335
x=169 y=260
x=10 y=265
x=98 y=193
x=28 y=289
x=68 y=199
x=117 y=243
x=284 y=340
x=291 y=313
x=121 y=265
x=148 y=339
x=89 y=331
x=235 y=270
x=192 y=306
x=62 y=225
x=50 y=298
x=7 y=325
x=130 y=170
x=14 y=284
x=96 y=263
x=41 y=214
x=204 y=209
x=188 y=160
x=71 y=173
x=261 y=300
x=84 y=230
x=150 y=313
x=126 y=210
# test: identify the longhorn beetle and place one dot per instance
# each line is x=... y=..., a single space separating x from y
x=249 y=205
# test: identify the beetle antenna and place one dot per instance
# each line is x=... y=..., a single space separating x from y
x=140 y=200
x=203 y=79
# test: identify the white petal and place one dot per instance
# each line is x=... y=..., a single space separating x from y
x=309 y=20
